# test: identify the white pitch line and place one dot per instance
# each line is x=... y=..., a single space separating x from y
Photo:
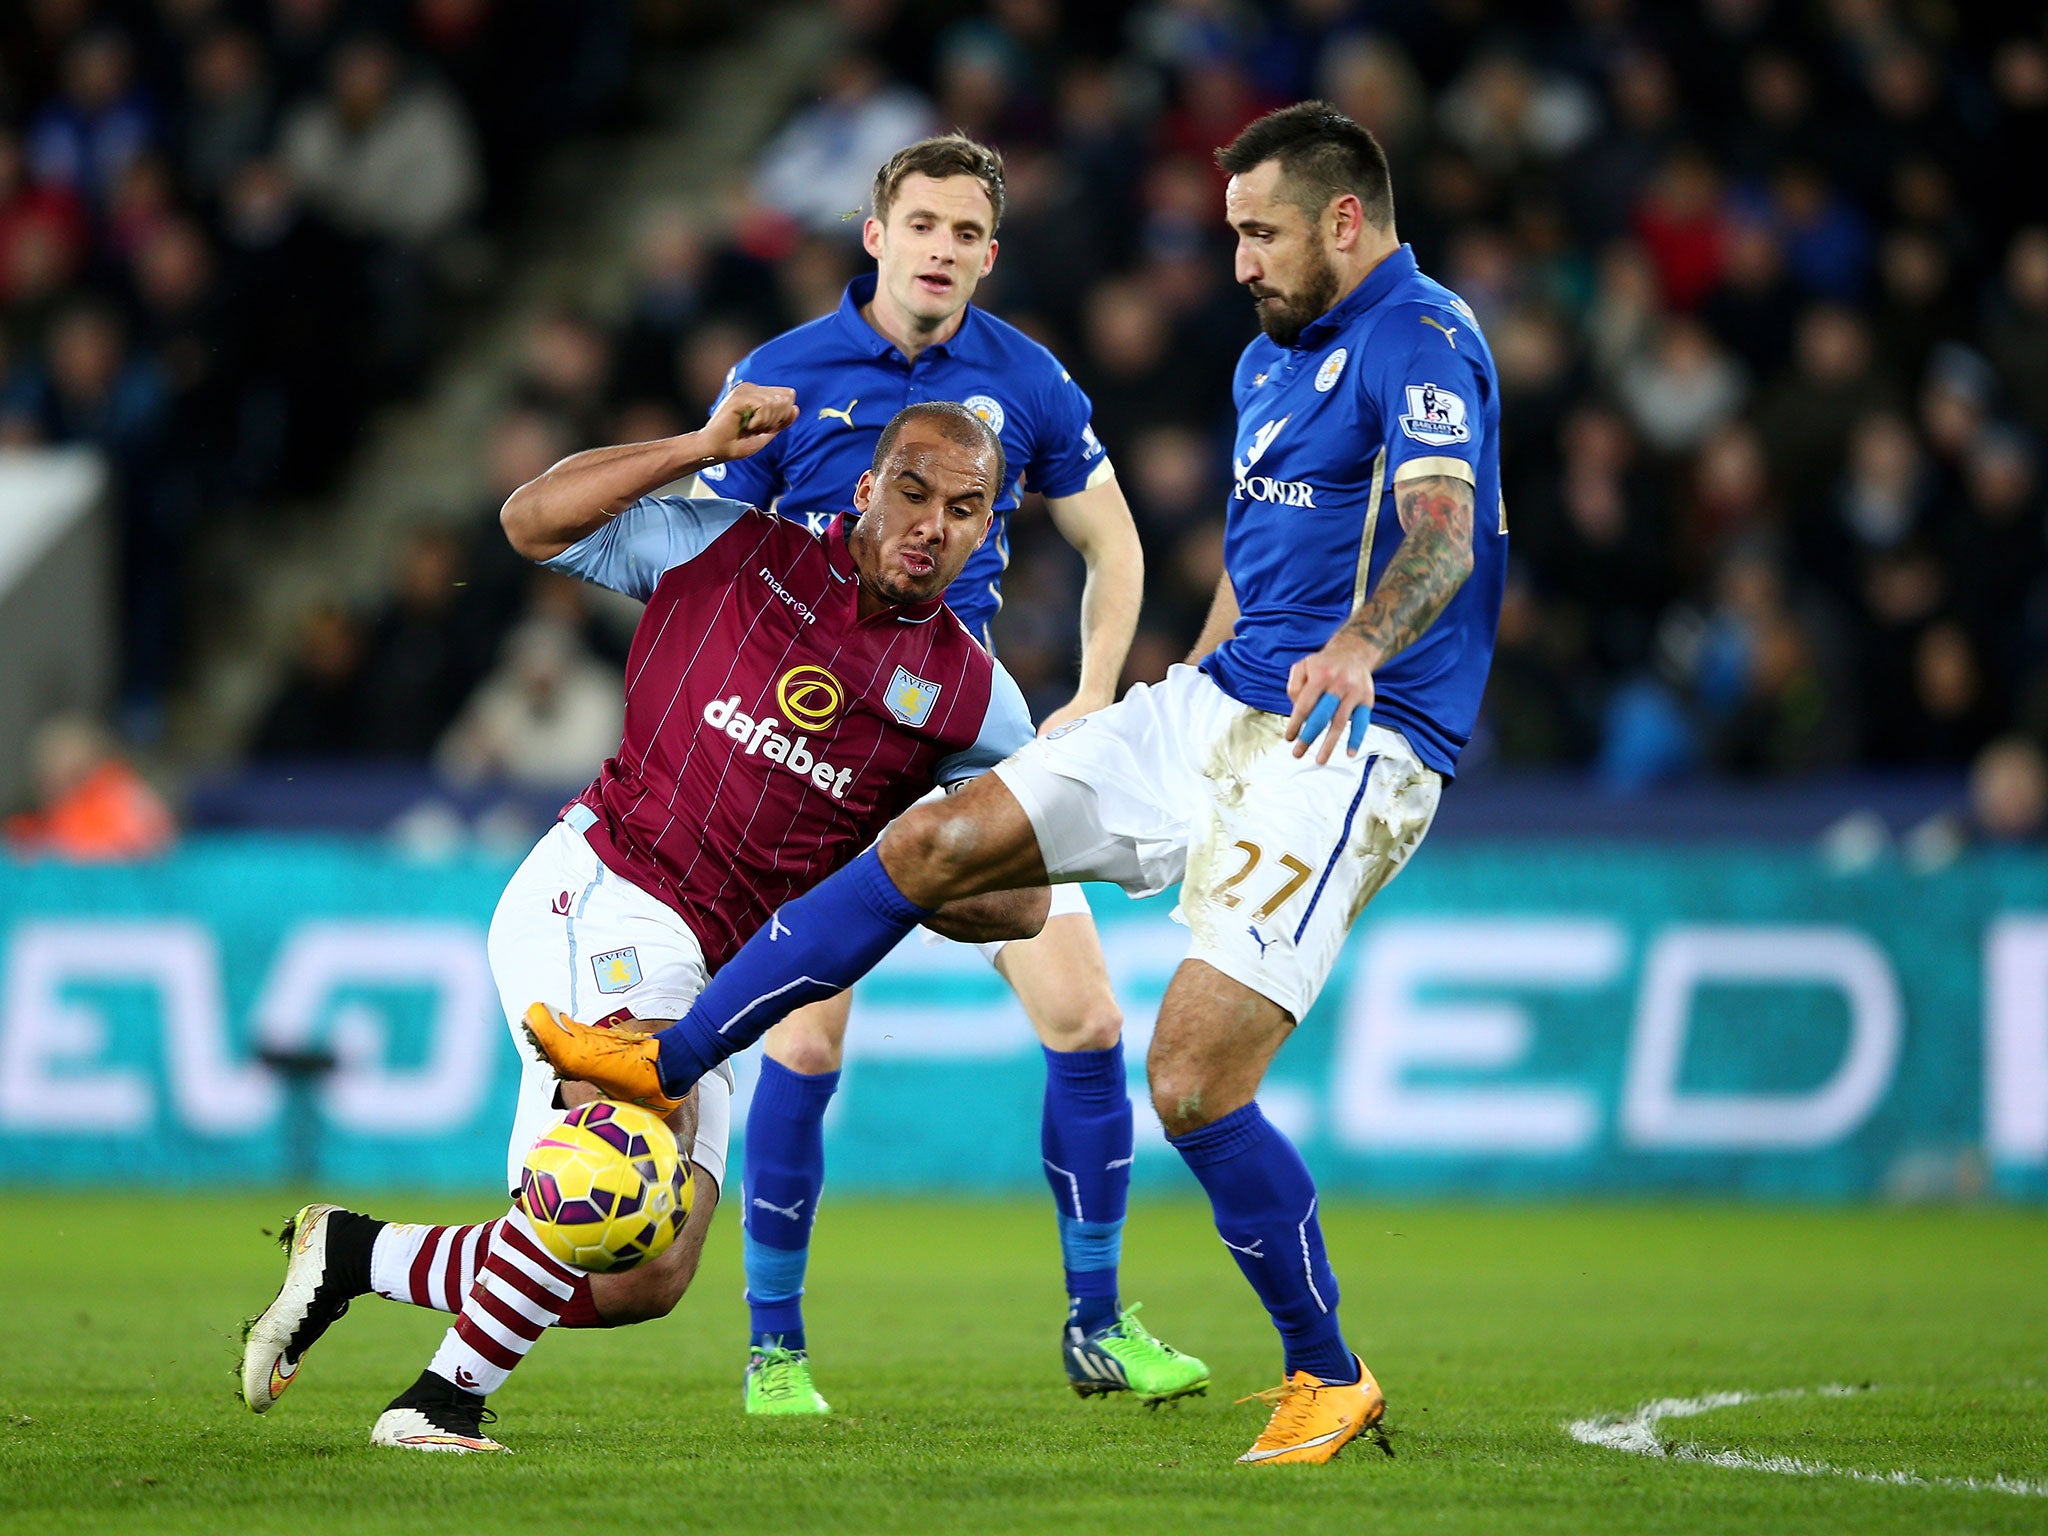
x=1636 y=1433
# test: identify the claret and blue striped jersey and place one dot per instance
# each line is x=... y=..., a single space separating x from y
x=1394 y=382
x=850 y=379
x=771 y=732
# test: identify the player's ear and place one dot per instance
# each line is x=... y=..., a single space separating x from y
x=871 y=238
x=988 y=259
x=864 y=490
x=1347 y=220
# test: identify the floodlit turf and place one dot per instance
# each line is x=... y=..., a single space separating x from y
x=933 y=1330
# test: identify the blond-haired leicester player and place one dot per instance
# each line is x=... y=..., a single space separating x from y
x=909 y=332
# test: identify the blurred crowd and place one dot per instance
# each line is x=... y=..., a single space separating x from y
x=1767 y=284
x=229 y=228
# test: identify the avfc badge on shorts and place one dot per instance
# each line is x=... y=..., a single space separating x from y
x=618 y=970
x=988 y=410
x=911 y=698
x=1435 y=416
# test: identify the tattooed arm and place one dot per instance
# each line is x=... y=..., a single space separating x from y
x=1433 y=561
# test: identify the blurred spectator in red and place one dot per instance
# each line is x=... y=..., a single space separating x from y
x=91 y=805
x=42 y=230
x=1681 y=225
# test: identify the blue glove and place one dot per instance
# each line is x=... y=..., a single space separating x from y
x=1320 y=717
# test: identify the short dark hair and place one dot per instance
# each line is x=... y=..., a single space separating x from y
x=950 y=154
x=1322 y=154
x=956 y=423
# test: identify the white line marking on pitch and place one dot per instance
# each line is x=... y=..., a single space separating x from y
x=1636 y=1433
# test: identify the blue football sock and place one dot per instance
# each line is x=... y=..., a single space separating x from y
x=1085 y=1138
x=814 y=946
x=785 y=1171
x=1265 y=1207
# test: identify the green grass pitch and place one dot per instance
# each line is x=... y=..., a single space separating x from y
x=933 y=1326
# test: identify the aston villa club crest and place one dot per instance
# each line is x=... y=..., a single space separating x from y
x=618 y=970
x=911 y=698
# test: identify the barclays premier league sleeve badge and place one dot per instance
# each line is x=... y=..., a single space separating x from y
x=1435 y=416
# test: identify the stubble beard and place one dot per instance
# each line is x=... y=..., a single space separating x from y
x=1284 y=322
x=871 y=576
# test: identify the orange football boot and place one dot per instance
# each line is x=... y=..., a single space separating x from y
x=620 y=1063
x=1314 y=1420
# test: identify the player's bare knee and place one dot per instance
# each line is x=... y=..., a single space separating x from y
x=809 y=1055
x=804 y=1045
x=1178 y=1098
x=930 y=851
x=1092 y=1023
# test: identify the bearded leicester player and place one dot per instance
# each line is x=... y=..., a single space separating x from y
x=1365 y=552
x=768 y=739
x=909 y=332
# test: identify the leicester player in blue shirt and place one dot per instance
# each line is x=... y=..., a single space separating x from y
x=909 y=333
x=1365 y=553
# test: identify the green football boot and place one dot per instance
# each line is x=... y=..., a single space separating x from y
x=1124 y=1357
x=779 y=1381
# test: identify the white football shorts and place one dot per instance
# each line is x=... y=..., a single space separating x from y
x=570 y=933
x=1067 y=901
x=1276 y=855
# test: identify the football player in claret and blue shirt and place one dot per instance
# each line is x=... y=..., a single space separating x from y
x=905 y=334
x=1365 y=550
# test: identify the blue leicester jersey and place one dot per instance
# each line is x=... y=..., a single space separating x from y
x=1393 y=383
x=850 y=379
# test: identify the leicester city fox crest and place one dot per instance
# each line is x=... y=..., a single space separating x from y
x=911 y=698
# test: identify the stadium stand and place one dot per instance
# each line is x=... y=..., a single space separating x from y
x=1770 y=319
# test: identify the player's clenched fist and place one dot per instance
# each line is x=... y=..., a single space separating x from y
x=746 y=418
x=1332 y=693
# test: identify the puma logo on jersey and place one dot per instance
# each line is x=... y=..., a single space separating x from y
x=825 y=411
x=1450 y=331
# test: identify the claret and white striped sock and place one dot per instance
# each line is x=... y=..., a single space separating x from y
x=436 y=1266
x=429 y=1266
x=519 y=1293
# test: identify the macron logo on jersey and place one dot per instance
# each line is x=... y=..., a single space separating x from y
x=765 y=737
x=802 y=610
x=1251 y=487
